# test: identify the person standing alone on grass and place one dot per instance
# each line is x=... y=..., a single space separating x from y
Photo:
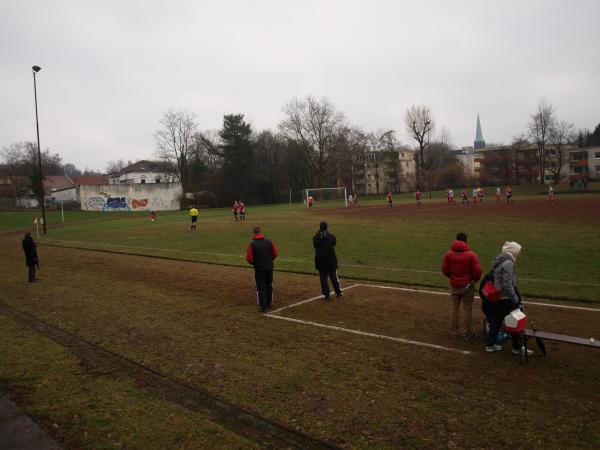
x=418 y=195
x=194 y=217
x=260 y=253
x=326 y=260
x=505 y=281
x=461 y=265
x=389 y=199
x=31 y=256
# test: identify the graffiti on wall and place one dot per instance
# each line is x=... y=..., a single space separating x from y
x=141 y=203
x=96 y=203
x=116 y=203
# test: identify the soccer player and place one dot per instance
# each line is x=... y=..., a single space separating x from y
x=418 y=195
x=350 y=200
x=480 y=194
x=509 y=198
x=242 y=209
x=235 y=209
x=389 y=199
x=465 y=197
x=152 y=215
x=260 y=254
x=194 y=217
x=310 y=201
x=498 y=194
x=451 y=200
x=475 y=195
x=550 y=194
x=355 y=199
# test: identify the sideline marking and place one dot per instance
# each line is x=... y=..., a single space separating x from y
x=274 y=315
x=309 y=300
x=364 y=333
x=289 y=260
x=550 y=305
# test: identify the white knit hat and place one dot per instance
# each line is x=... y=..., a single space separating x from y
x=511 y=248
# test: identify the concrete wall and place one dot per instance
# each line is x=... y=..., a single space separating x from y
x=129 y=197
x=65 y=195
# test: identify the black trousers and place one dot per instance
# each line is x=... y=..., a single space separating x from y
x=31 y=272
x=264 y=287
x=501 y=309
x=332 y=275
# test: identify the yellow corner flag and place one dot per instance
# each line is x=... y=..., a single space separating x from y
x=35 y=221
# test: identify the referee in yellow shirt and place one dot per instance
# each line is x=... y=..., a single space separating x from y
x=194 y=216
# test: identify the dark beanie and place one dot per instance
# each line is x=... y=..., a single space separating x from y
x=461 y=237
x=322 y=226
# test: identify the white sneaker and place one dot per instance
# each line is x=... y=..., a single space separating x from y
x=493 y=348
x=522 y=351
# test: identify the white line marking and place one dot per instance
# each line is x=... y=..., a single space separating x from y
x=550 y=305
x=364 y=333
x=294 y=260
x=309 y=300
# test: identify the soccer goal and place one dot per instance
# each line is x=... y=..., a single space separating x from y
x=335 y=197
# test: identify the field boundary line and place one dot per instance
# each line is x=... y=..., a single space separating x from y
x=290 y=260
x=310 y=300
x=550 y=305
x=366 y=333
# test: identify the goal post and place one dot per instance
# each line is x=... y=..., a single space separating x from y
x=328 y=197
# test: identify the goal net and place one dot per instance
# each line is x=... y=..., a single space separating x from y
x=325 y=198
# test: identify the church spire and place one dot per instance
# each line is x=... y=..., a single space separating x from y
x=479 y=142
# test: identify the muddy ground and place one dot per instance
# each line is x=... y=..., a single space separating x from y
x=199 y=324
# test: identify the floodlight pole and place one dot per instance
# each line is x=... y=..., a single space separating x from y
x=35 y=70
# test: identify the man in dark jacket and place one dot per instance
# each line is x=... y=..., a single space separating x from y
x=260 y=253
x=326 y=260
x=462 y=266
x=31 y=257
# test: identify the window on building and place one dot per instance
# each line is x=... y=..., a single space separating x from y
x=143 y=181
x=597 y=155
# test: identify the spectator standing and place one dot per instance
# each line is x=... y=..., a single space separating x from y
x=31 y=256
x=260 y=253
x=462 y=266
x=326 y=260
x=505 y=281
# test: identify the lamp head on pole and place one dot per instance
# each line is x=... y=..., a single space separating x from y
x=36 y=69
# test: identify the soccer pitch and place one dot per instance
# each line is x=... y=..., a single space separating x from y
x=116 y=350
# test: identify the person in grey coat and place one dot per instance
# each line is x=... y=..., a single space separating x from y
x=506 y=282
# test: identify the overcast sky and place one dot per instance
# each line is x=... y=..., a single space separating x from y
x=110 y=69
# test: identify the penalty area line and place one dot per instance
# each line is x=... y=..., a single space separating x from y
x=374 y=335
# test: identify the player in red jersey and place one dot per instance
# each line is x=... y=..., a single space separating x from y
x=418 y=195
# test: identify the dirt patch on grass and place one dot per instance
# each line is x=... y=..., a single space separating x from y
x=572 y=209
x=199 y=324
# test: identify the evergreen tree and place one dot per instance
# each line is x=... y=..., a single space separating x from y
x=238 y=156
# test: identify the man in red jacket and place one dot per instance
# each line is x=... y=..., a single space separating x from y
x=461 y=265
x=260 y=253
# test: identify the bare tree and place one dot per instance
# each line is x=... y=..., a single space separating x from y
x=561 y=134
x=175 y=142
x=540 y=126
x=207 y=148
x=315 y=127
x=116 y=166
x=419 y=124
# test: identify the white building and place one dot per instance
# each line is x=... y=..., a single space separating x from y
x=142 y=172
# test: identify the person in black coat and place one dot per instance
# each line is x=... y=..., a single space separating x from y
x=31 y=257
x=260 y=253
x=326 y=260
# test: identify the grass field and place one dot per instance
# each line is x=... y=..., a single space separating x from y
x=375 y=369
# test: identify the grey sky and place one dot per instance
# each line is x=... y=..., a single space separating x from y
x=110 y=69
